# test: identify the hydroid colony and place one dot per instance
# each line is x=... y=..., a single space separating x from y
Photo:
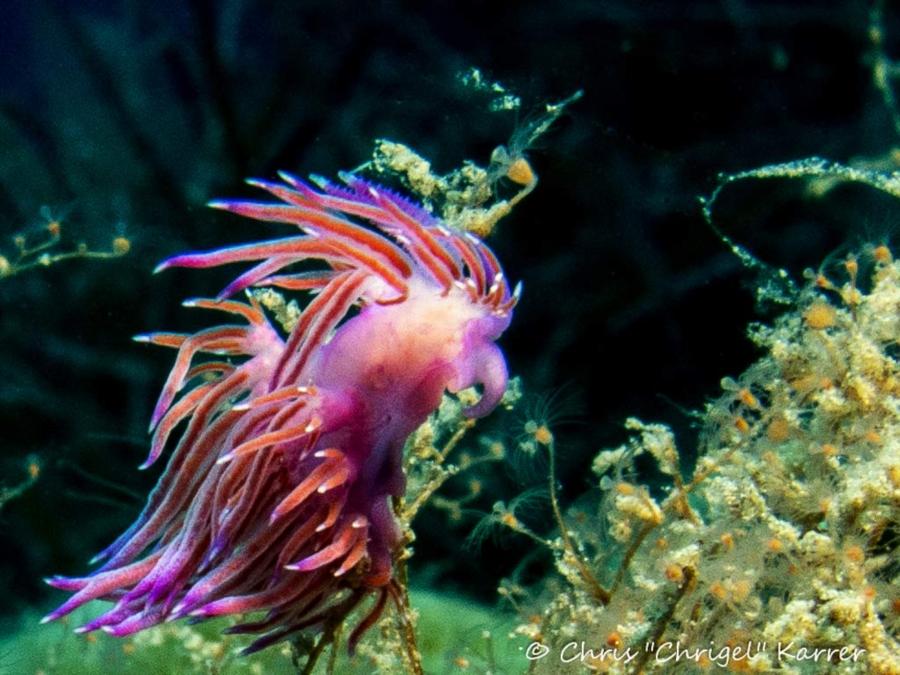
x=780 y=551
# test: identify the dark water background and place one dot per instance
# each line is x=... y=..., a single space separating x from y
x=124 y=117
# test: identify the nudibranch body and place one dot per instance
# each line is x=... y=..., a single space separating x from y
x=276 y=497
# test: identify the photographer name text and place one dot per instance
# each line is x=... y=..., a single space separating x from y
x=676 y=652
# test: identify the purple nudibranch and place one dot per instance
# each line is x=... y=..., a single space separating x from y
x=277 y=494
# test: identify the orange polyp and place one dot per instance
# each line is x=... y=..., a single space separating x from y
x=746 y=397
x=779 y=430
x=121 y=245
x=741 y=589
x=873 y=437
x=717 y=590
x=855 y=554
x=882 y=254
x=543 y=435
x=674 y=573
x=820 y=315
x=520 y=171
x=509 y=520
x=828 y=450
x=893 y=474
x=823 y=282
x=625 y=488
x=614 y=640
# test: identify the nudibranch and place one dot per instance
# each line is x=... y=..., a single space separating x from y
x=277 y=495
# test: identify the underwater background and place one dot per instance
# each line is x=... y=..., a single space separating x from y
x=119 y=120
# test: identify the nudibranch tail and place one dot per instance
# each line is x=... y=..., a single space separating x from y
x=277 y=493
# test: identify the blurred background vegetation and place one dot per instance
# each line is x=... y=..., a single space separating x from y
x=120 y=118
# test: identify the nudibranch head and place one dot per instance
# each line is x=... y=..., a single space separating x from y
x=276 y=497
